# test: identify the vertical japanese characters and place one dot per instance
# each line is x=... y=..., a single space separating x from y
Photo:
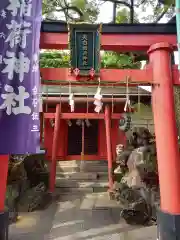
x=35 y=102
x=85 y=49
x=15 y=64
x=20 y=22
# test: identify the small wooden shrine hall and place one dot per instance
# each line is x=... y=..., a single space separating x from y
x=82 y=134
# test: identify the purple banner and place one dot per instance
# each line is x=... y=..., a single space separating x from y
x=20 y=22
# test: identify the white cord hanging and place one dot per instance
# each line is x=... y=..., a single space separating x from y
x=98 y=98
x=128 y=103
x=71 y=98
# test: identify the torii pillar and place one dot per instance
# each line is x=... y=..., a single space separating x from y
x=109 y=146
x=4 y=216
x=166 y=141
x=52 y=177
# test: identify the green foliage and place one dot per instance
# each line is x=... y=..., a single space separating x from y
x=153 y=9
x=118 y=60
x=54 y=59
x=88 y=10
x=74 y=10
x=60 y=59
x=123 y=16
x=156 y=11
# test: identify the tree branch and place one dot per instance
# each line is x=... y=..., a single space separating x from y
x=161 y=15
x=130 y=6
x=65 y=8
x=138 y=5
x=68 y=7
x=119 y=2
x=65 y=11
x=132 y=12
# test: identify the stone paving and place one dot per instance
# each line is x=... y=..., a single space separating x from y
x=79 y=217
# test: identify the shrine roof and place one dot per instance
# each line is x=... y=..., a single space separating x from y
x=168 y=28
x=52 y=90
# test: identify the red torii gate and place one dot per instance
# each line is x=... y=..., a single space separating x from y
x=161 y=75
x=153 y=74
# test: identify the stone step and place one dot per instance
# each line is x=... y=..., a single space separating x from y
x=82 y=175
x=88 y=201
x=81 y=178
x=81 y=186
x=85 y=190
x=82 y=166
x=92 y=169
x=61 y=182
x=73 y=163
x=74 y=191
x=78 y=162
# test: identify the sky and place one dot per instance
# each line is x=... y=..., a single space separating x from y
x=106 y=11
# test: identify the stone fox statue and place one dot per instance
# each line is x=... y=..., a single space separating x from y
x=137 y=163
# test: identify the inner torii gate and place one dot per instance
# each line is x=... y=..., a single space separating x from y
x=159 y=41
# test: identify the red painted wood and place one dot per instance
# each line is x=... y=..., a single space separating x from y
x=102 y=148
x=56 y=137
x=165 y=128
x=111 y=42
x=119 y=75
x=3 y=179
x=143 y=76
x=62 y=142
x=117 y=138
x=81 y=108
x=114 y=137
x=41 y=127
x=49 y=115
x=56 y=100
x=81 y=115
x=48 y=137
x=109 y=145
